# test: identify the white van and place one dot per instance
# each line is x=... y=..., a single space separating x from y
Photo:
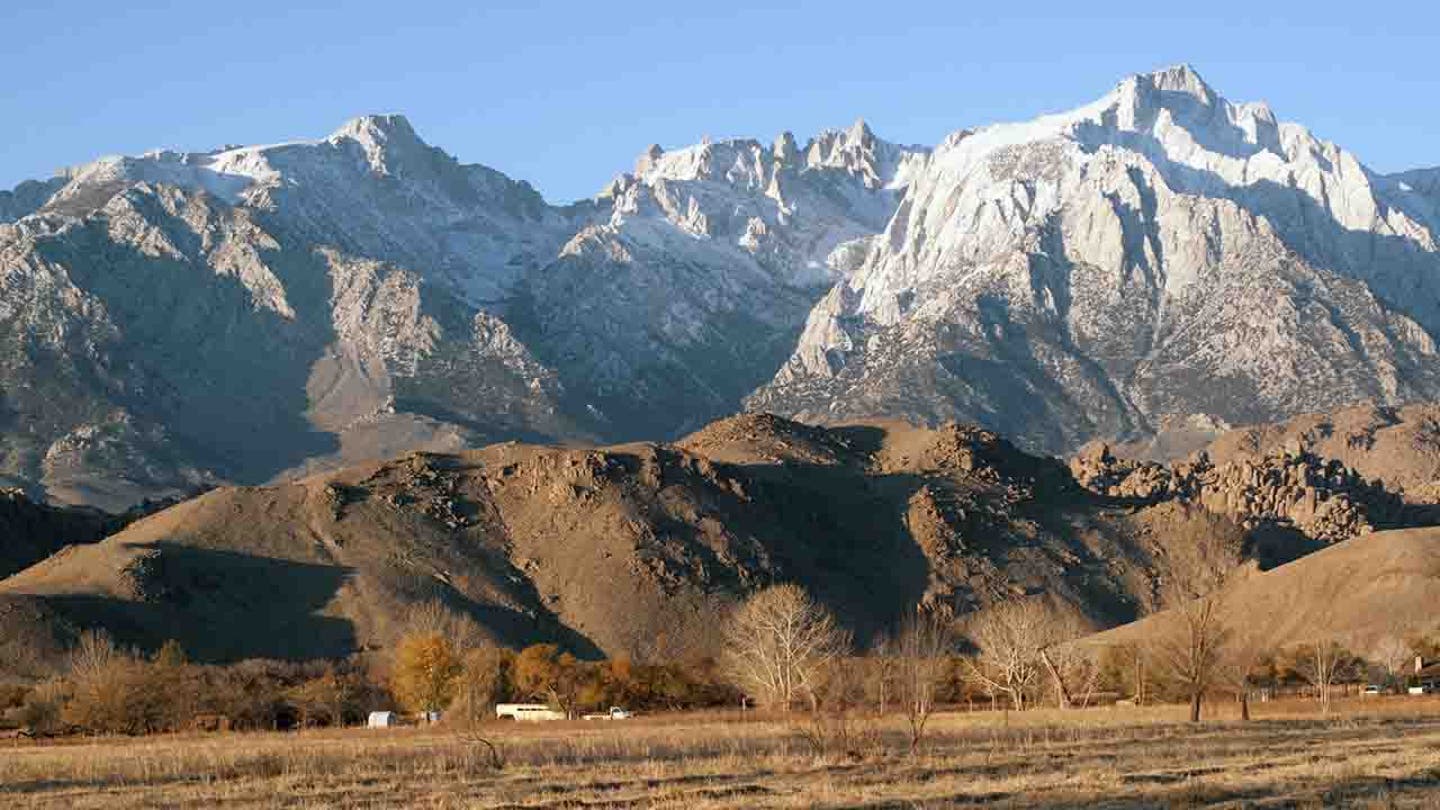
x=527 y=711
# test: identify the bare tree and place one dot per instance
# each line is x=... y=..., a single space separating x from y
x=1323 y=663
x=1393 y=654
x=1245 y=650
x=1124 y=665
x=778 y=643
x=921 y=652
x=1201 y=553
x=479 y=683
x=93 y=654
x=1010 y=637
x=1074 y=669
x=881 y=672
x=434 y=617
x=834 y=690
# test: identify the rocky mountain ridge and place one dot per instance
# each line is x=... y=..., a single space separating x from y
x=1327 y=476
x=1159 y=252
x=237 y=314
x=176 y=320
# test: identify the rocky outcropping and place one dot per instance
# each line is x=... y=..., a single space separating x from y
x=1399 y=447
x=1321 y=498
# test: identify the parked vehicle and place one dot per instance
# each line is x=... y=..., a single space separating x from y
x=527 y=711
x=615 y=713
x=1372 y=689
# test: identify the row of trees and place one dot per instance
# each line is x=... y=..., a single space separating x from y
x=785 y=649
x=112 y=689
x=782 y=650
x=789 y=652
x=433 y=674
x=441 y=663
x=445 y=663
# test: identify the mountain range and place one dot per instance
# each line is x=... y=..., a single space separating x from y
x=1159 y=259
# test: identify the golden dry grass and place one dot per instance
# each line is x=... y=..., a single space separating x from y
x=1371 y=753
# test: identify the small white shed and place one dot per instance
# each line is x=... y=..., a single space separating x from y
x=382 y=720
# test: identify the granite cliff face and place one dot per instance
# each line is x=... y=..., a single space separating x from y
x=172 y=321
x=175 y=320
x=1159 y=252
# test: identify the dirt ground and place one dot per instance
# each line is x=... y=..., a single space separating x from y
x=1381 y=752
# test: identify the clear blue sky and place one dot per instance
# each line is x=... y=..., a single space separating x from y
x=566 y=94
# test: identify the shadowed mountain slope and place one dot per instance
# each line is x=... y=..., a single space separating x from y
x=632 y=549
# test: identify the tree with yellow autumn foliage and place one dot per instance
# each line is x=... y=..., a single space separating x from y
x=426 y=670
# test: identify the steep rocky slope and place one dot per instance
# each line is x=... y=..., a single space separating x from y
x=175 y=320
x=691 y=282
x=631 y=549
x=1159 y=252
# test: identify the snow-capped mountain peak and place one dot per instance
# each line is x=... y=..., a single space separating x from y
x=376 y=129
x=1158 y=252
x=1106 y=263
x=387 y=140
x=1181 y=78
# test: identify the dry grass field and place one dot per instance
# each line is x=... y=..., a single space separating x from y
x=1380 y=752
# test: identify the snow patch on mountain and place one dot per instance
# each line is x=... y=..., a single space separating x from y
x=1087 y=273
x=1160 y=252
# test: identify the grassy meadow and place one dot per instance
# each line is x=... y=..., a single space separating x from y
x=1375 y=752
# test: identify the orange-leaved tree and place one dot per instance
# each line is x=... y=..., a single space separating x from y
x=426 y=669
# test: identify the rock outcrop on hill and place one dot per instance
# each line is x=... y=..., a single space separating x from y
x=1329 y=476
x=1321 y=498
x=1399 y=447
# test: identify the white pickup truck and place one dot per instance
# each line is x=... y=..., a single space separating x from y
x=615 y=713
